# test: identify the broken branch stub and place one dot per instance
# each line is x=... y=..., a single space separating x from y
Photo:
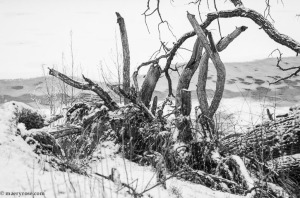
x=126 y=55
x=186 y=102
x=149 y=84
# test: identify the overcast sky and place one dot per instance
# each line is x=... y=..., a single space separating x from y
x=37 y=32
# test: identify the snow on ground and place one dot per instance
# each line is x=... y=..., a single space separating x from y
x=23 y=171
x=247 y=112
x=238 y=114
x=144 y=177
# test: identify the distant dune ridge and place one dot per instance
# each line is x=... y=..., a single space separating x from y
x=245 y=79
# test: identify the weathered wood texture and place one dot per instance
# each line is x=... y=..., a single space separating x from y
x=126 y=55
x=203 y=70
x=188 y=72
x=186 y=102
x=149 y=84
x=214 y=56
x=270 y=140
x=154 y=105
x=240 y=11
x=90 y=85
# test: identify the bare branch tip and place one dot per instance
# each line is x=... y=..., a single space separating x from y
x=244 y=28
x=189 y=14
x=118 y=14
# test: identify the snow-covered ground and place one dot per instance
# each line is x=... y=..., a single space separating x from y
x=23 y=171
x=238 y=114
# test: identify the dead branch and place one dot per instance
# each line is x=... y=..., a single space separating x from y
x=126 y=54
x=90 y=85
x=154 y=105
x=237 y=3
x=260 y=20
x=110 y=177
x=203 y=68
x=221 y=73
x=52 y=119
x=279 y=59
x=270 y=115
x=149 y=84
x=188 y=72
x=62 y=131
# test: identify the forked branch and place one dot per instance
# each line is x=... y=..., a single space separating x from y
x=203 y=69
x=90 y=85
x=214 y=56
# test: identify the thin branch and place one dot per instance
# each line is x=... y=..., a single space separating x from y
x=219 y=25
x=259 y=20
x=279 y=60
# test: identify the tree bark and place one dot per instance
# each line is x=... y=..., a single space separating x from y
x=186 y=102
x=188 y=72
x=240 y=11
x=126 y=55
x=260 y=20
x=265 y=142
x=154 y=105
x=203 y=69
x=221 y=73
x=149 y=84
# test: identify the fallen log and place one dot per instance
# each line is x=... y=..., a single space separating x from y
x=267 y=141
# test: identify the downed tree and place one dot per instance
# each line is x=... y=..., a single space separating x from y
x=270 y=139
x=140 y=132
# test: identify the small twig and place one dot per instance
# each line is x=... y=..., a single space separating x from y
x=279 y=60
x=135 y=194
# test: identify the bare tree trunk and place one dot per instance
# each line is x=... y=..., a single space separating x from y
x=188 y=72
x=149 y=84
x=126 y=55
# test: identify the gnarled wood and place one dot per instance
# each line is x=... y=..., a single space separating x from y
x=261 y=21
x=203 y=69
x=214 y=55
